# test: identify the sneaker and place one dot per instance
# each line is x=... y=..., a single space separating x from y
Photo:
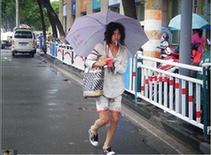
x=93 y=138
x=108 y=151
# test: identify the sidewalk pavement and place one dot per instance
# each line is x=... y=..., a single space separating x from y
x=167 y=127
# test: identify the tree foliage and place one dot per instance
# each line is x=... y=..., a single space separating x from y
x=52 y=15
x=8 y=14
x=55 y=6
x=29 y=13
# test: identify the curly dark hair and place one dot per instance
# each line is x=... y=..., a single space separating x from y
x=110 y=28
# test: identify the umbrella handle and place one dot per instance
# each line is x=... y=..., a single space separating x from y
x=107 y=50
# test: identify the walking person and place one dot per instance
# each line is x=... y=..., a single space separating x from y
x=114 y=59
x=198 y=38
x=198 y=48
x=41 y=41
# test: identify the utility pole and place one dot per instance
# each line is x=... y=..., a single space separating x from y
x=17 y=12
x=185 y=34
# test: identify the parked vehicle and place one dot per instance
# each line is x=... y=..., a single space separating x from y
x=168 y=53
x=171 y=54
x=6 y=38
x=23 y=41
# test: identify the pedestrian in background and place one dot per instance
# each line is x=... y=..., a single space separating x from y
x=41 y=41
x=198 y=48
x=198 y=38
x=114 y=56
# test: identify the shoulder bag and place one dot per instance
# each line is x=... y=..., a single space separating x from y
x=93 y=80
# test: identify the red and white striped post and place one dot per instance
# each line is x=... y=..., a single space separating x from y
x=160 y=88
x=184 y=93
x=165 y=80
x=155 y=88
x=190 y=100
x=198 y=103
x=150 y=84
x=146 y=84
x=177 y=95
x=171 y=85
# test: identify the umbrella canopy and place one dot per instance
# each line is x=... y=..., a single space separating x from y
x=89 y=30
x=197 y=22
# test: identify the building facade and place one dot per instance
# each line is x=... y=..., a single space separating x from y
x=154 y=15
x=71 y=9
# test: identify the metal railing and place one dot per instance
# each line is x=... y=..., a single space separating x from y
x=176 y=94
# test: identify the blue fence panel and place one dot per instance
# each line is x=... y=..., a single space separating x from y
x=127 y=75
x=53 y=49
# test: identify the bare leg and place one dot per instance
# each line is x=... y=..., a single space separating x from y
x=103 y=119
x=112 y=128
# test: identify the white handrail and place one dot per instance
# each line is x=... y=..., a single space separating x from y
x=185 y=66
x=206 y=64
x=172 y=74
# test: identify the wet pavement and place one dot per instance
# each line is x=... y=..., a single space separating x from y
x=44 y=113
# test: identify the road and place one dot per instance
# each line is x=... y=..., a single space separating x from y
x=44 y=113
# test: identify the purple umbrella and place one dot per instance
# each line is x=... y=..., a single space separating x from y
x=89 y=30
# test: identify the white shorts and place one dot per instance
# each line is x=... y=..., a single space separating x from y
x=103 y=103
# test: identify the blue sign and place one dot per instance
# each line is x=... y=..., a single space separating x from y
x=73 y=5
x=96 y=4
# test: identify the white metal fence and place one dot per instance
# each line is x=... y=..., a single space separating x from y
x=176 y=94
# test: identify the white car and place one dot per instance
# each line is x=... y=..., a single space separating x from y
x=23 y=41
x=6 y=39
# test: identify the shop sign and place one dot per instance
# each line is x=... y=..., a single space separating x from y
x=96 y=4
x=73 y=5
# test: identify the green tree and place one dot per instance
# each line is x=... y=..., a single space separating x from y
x=53 y=17
x=29 y=13
x=55 y=6
x=8 y=14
